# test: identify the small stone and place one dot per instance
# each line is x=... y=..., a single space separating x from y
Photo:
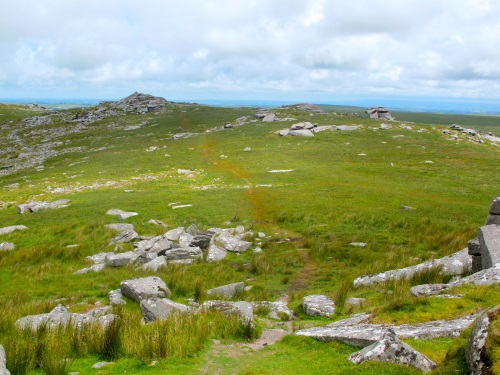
x=247 y=149
x=6 y=246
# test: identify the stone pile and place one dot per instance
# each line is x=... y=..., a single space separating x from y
x=175 y=246
x=470 y=134
x=380 y=113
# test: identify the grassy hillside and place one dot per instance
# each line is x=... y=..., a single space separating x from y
x=343 y=187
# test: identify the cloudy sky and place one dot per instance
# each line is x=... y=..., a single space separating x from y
x=250 y=49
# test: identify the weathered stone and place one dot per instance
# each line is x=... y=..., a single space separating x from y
x=94 y=268
x=283 y=132
x=193 y=230
x=202 y=240
x=492 y=219
x=269 y=118
x=355 y=302
x=425 y=290
x=484 y=277
x=474 y=247
x=60 y=316
x=232 y=243
x=475 y=352
x=12 y=228
x=145 y=287
x=318 y=305
x=215 y=253
x=301 y=126
x=3 y=360
x=157 y=222
x=98 y=258
x=36 y=206
x=391 y=349
x=360 y=334
x=489 y=240
x=385 y=126
x=121 y=259
x=123 y=237
x=116 y=297
x=495 y=206
x=228 y=291
x=277 y=310
x=160 y=309
x=241 y=308
x=454 y=264
x=140 y=103
x=174 y=234
x=347 y=127
x=322 y=128
x=126 y=215
x=185 y=239
x=379 y=113
x=155 y=264
x=6 y=246
x=477 y=263
x=302 y=133
x=183 y=253
x=121 y=227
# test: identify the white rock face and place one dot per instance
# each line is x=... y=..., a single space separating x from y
x=318 y=305
x=145 y=287
x=232 y=243
x=6 y=246
x=155 y=264
x=391 y=349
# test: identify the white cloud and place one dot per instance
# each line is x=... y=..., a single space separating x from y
x=286 y=48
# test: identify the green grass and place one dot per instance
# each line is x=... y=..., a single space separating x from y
x=332 y=197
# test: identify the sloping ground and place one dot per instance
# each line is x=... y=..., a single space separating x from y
x=342 y=187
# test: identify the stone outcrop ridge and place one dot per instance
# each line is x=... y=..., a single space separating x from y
x=391 y=349
x=475 y=352
x=354 y=332
x=380 y=113
x=60 y=316
x=454 y=264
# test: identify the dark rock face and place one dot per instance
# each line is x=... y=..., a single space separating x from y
x=379 y=113
x=139 y=103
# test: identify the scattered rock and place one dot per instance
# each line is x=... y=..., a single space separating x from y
x=302 y=125
x=160 y=309
x=155 y=264
x=36 y=206
x=98 y=258
x=6 y=246
x=123 y=237
x=425 y=290
x=122 y=215
x=475 y=352
x=277 y=310
x=391 y=349
x=247 y=149
x=228 y=291
x=121 y=227
x=174 y=234
x=347 y=127
x=302 y=133
x=358 y=244
x=101 y=364
x=232 y=243
x=157 y=222
x=241 y=308
x=3 y=360
x=121 y=259
x=407 y=208
x=116 y=297
x=145 y=287
x=60 y=316
x=318 y=305
x=12 y=228
x=215 y=253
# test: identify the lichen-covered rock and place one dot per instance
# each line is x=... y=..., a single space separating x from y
x=391 y=349
x=228 y=291
x=155 y=264
x=3 y=360
x=318 y=305
x=144 y=287
x=242 y=309
x=485 y=277
x=116 y=298
x=425 y=290
x=475 y=353
x=160 y=309
x=454 y=264
x=356 y=333
x=121 y=259
x=183 y=254
x=302 y=133
x=123 y=237
x=232 y=243
x=201 y=240
x=215 y=253
x=37 y=206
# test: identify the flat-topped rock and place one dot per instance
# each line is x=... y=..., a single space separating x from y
x=144 y=287
x=155 y=264
x=232 y=243
x=12 y=228
x=454 y=264
x=123 y=237
x=160 y=309
x=347 y=127
x=121 y=227
x=93 y=268
x=228 y=291
x=318 y=305
x=242 y=309
x=391 y=349
x=37 y=206
x=301 y=126
x=302 y=133
x=121 y=259
x=174 y=234
x=183 y=253
x=6 y=246
x=60 y=316
x=364 y=334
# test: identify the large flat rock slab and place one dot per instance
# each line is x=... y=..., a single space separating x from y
x=364 y=334
x=454 y=264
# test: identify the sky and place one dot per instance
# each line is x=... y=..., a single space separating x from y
x=305 y=50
